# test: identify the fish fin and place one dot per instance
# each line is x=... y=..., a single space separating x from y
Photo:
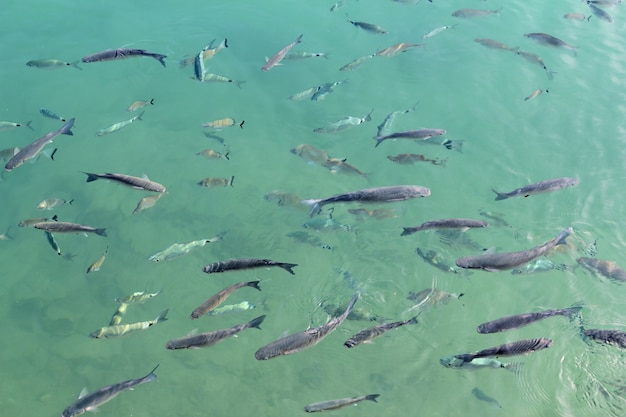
x=500 y=196
x=29 y=126
x=379 y=140
x=372 y=397
x=256 y=323
x=75 y=65
x=65 y=129
x=407 y=231
x=101 y=232
x=193 y=332
x=161 y=317
x=83 y=392
x=238 y=83
x=299 y=39
x=138 y=117
x=160 y=58
x=287 y=267
x=254 y=284
x=231 y=180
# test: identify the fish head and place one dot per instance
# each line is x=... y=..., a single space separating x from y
x=157 y=257
x=451 y=362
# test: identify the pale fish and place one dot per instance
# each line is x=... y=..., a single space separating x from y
x=310 y=154
x=437 y=31
x=574 y=16
x=51 y=115
x=599 y=13
x=117 y=126
x=411 y=158
x=369 y=27
x=376 y=213
x=180 y=249
x=124 y=329
x=53 y=243
x=275 y=60
x=535 y=59
x=32 y=150
x=50 y=203
x=356 y=63
x=10 y=125
x=216 y=78
x=51 y=64
x=8 y=153
x=212 y=154
x=220 y=124
x=394 y=50
x=345 y=123
x=306 y=94
x=137 y=297
x=337 y=165
x=147 y=202
x=335 y=404
x=122 y=53
x=490 y=43
x=139 y=104
x=128 y=180
x=242 y=306
x=549 y=40
x=325 y=89
x=293 y=56
x=94 y=267
x=35 y=220
x=419 y=134
x=216 y=182
x=385 y=127
x=116 y=318
x=535 y=94
x=435 y=259
x=209 y=51
x=469 y=13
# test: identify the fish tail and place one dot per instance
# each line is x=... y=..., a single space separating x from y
x=299 y=39
x=160 y=58
x=161 y=317
x=560 y=240
x=372 y=397
x=369 y=116
x=140 y=115
x=231 y=180
x=28 y=125
x=238 y=83
x=407 y=231
x=351 y=303
x=287 y=267
x=65 y=129
x=412 y=320
x=500 y=196
x=91 y=177
x=254 y=284
x=75 y=65
x=101 y=232
x=571 y=312
x=256 y=323
x=225 y=43
x=379 y=140
x=151 y=376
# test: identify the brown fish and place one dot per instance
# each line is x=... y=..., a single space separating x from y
x=607 y=269
x=147 y=202
x=220 y=297
x=139 y=104
x=394 y=50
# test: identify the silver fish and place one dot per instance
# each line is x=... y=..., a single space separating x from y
x=345 y=123
x=32 y=221
x=210 y=338
x=539 y=265
x=574 y=16
x=463 y=224
x=538 y=187
x=607 y=269
x=310 y=154
x=411 y=158
x=371 y=195
x=246 y=263
x=242 y=306
x=179 y=249
x=302 y=340
x=325 y=89
x=599 y=13
x=306 y=94
x=437 y=31
x=304 y=237
x=549 y=40
x=477 y=363
x=117 y=126
x=411 y=134
x=124 y=329
x=335 y=404
x=431 y=297
x=275 y=60
x=490 y=43
x=53 y=242
x=435 y=259
x=127 y=180
x=469 y=13
x=499 y=261
x=366 y=335
x=385 y=127
x=137 y=297
x=210 y=77
x=51 y=64
x=50 y=203
x=66 y=227
x=336 y=165
x=535 y=93
x=519 y=347
x=369 y=27
x=147 y=202
x=52 y=115
x=220 y=297
x=90 y=402
x=614 y=337
x=479 y=394
x=394 y=50
x=520 y=320
x=303 y=55
x=32 y=150
x=356 y=63
x=122 y=53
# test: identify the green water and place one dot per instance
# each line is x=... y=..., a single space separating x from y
x=50 y=305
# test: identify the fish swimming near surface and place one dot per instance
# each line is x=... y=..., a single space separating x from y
x=117 y=126
x=371 y=195
x=435 y=259
x=470 y=13
x=53 y=243
x=310 y=154
x=212 y=182
x=299 y=341
x=356 y=63
x=506 y=260
x=613 y=337
x=51 y=115
x=32 y=150
x=410 y=134
x=98 y=264
x=50 y=203
x=306 y=94
x=369 y=27
x=201 y=340
x=335 y=404
x=147 y=202
x=478 y=363
x=295 y=56
x=366 y=335
x=4 y=125
x=275 y=60
x=51 y=64
x=179 y=249
x=127 y=180
x=479 y=394
x=220 y=297
x=463 y=224
x=437 y=31
x=90 y=402
x=122 y=53
x=520 y=320
x=599 y=13
x=124 y=329
x=607 y=269
x=535 y=59
x=216 y=78
x=386 y=125
x=411 y=158
x=242 y=306
x=344 y=123
x=549 y=40
x=538 y=188
x=394 y=50
x=490 y=43
x=246 y=263
x=325 y=89
x=519 y=347
x=66 y=227
x=116 y=318
x=137 y=297
x=139 y=104
x=535 y=94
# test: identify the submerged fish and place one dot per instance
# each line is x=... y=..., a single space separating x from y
x=479 y=394
x=535 y=94
x=437 y=31
x=66 y=227
x=34 y=220
x=520 y=320
x=275 y=60
x=463 y=224
x=549 y=40
x=220 y=297
x=385 y=127
x=306 y=94
x=376 y=213
x=357 y=313
x=574 y=16
x=90 y=402
x=294 y=56
x=98 y=264
x=304 y=237
x=127 y=180
x=411 y=134
x=519 y=347
x=356 y=63
x=607 y=269
x=335 y=404
x=117 y=126
x=310 y=153
x=539 y=265
x=139 y=104
x=242 y=306
x=212 y=154
x=124 y=329
x=210 y=338
x=117 y=316
x=538 y=187
x=431 y=297
x=369 y=27
x=211 y=182
x=394 y=50
x=122 y=53
x=490 y=43
x=325 y=89
x=137 y=297
x=51 y=64
x=283 y=198
x=221 y=123
x=51 y=115
x=246 y=263
x=614 y=337
x=216 y=78
x=599 y=13
x=50 y=203
x=477 y=363
x=344 y=123
x=147 y=202
x=506 y=260
x=302 y=340
x=366 y=335
x=468 y=13
x=411 y=158
x=435 y=259
x=179 y=249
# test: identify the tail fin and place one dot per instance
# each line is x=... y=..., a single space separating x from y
x=315 y=206
x=379 y=140
x=65 y=129
x=372 y=397
x=231 y=180
x=254 y=284
x=160 y=58
x=560 y=239
x=29 y=126
x=238 y=83
x=151 y=376
x=369 y=116
x=500 y=196
x=161 y=317
x=101 y=232
x=287 y=267
x=407 y=231
x=299 y=39
x=91 y=177
x=256 y=323
x=75 y=65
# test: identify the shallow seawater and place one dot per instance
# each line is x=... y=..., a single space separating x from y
x=50 y=304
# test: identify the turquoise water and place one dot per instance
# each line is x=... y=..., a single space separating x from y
x=50 y=305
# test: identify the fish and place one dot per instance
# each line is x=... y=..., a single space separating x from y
x=124 y=329
x=117 y=126
x=411 y=158
x=411 y=134
x=221 y=123
x=493 y=262
x=371 y=195
x=147 y=202
x=520 y=320
x=199 y=67
x=519 y=347
x=32 y=150
x=212 y=154
x=66 y=227
x=51 y=64
x=304 y=237
x=613 y=337
x=310 y=154
x=278 y=56
x=50 y=203
x=246 y=263
x=335 y=404
x=549 y=40
x=376 y=213
x=90 y=402
x=490 y=43
x=306 y=94
x=469 y=13
x=4 y=125
x=210 y=77
x=463 y=224
x=216 y=182
x=357 y=313
x=53 y=243
x=336 y=5
x=179 y=249
x=435 y=259
x=52 y=115
x=8 y=153
x=574 y=16
x=394 y=50
x=599 y=13
x=607 y=269
x=328 y=224
x=366 y=335
x=294 y=56
x=116 y=318
x=532 y=58
x=477 y=363
x=336 y=165
x=431 y=297
x=127 y=180
x=356 y=63
x=385 y=127
x=208 y=52
x=299 y=341
x=538 y=187
x=137 y=297
x=220 y=297
x=495 y=218
x=344 y=123
x=32 y=221
x=139 y=104
x=479 y=394
x=325 y=89
x=437 y=31
x=369 y=27
x=242 y=306
x=201 y=340
x=122 y=53
x=94 y=267
x=535 y=94
x=539 y=265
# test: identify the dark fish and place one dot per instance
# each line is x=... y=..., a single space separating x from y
x=371 y=195
x=513 y=322
x=368 y=27
x=509 y=349
x=302 y=340
x=51 y=115
x=220 y=297
x=435 y=259
x=607 y=269
x=538 y=187
x=599 y=13
x=210 y=338
x=122 y=53
x=66 y=227
x=479 y=394
x=463 y=224
x=411 y=158
x=366 y=335
x=53 y=242
x=246 y=263
x=411 y=134
x=545 y=39
x=335 y=404
x=128 y=180
x=614 y=337
x=498 y=261
x=89 y=402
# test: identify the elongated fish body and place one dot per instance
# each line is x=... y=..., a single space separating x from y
x=394 y=50
x=31 y=222
x=137 y=297
x=50 y=203
x=411 y=134
x=124 y=329
x=117 y=126
x=435 y=259
x=499 y=261
x=369 y=27
x=306 y=94
x=356 y=63
x=198 y=67
x=574 y=16
x=221 y=123
x=66 y=227
x=469 y=13
x=210 y=338
x=310 y=154
x=295 y=56
x=520 y=320
x=367 y=335
x=431 y=297
x=122 y=53
x=128 y=180
x=212 y=182
x=599 y=13
x=371 y=195
x=437 y=31
x=614 y=337
x=325 y=90
x=9 y=125
x=51 y=64
x=549 y=40
x=302 y=340
x=519 y=347
x=242 y=306
x=275 y=60
x=216 y=78
x=538 y=188
x=51 y=115
x=53 y=243
x=94 y=267
x=32 y=150
x=246 y=263
x=139 y=104
x=490 y=43
x=480 y=395
x=385 y=127
x=147 y=202
x=179 y=249
x=607 y=269
x=463 y=224
x=345 y=123
x=209 y=52
x=336 y=165
x=532 y=58
x=220 y=297
x=90 y=402
x=411 y=158
x=335 y=404
x=116 y=318
x=477 y=363
x=535 y=94
x=538 y=265
x=212 y=154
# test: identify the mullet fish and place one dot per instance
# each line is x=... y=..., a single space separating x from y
x=179 y=249
x=538 y=187
x=246 y=263
x=614 y=337
x=66 y=227
x=117 y=126
x=335 y=404
x=549 y=40
x=210 y=338
x=463 y=224
x=128 y=180
x=368 y=27
x=509 y=349
x=122 y=53
x=124 y=329
x=51 y=64
x=275 y=60
x=366 y=335
x=220 y=297
x=411 y=134
x=607 y=269
x=520 y=320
